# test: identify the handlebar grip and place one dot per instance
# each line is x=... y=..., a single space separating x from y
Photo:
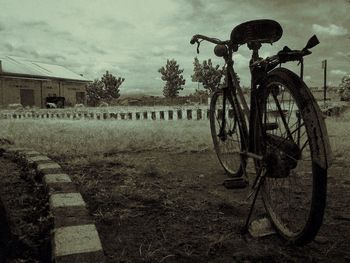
x=193 y=40
x=286 y=54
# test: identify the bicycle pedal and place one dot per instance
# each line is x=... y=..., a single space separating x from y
x=270 y=126
x=235 y=183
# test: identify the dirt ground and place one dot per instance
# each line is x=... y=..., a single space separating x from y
x=172 y=207
x=25 y=223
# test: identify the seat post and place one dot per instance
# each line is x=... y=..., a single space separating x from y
x=255 y=56
x=255 y=46
x=256 y=75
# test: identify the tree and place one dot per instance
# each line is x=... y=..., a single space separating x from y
x=111 y=86
x=94 y=92
x=344 y=88
x=104 y=90
x=207 y=74
x=172 y=74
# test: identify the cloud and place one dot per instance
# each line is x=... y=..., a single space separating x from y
x=165 y=51
x=331 y=30
x=342 y=54
x=89 y=48
x=338 y=72
x=32 y=24
x=133 y=39
x=7 y=47
x=112 y=23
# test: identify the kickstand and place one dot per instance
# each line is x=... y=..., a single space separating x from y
x=257 y=185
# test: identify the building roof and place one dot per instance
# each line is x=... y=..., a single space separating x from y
x=15 y=66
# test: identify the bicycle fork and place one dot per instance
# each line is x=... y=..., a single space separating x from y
x=222 y=134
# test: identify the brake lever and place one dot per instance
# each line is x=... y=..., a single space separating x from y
x=198 y=44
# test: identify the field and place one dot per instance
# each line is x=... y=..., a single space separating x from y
x=90 y=138
x=155 y=191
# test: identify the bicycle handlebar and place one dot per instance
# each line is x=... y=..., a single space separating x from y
x=196 y=38
x=283 y=56
x=286 y=54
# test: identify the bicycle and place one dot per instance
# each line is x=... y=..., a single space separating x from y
x=282 y=130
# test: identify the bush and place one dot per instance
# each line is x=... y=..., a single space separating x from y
x=344 y=88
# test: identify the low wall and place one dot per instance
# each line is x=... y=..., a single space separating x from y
x=105 y=114
x=74 y=236
x=130 y=113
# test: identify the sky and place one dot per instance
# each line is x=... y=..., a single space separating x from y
x=134 y=38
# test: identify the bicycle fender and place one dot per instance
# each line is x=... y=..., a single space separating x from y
x=321 y=149
x=313 y=118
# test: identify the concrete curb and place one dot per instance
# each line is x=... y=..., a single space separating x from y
x=74 y=237
x=142 y=113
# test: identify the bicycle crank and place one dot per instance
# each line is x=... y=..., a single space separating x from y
x=281 y=156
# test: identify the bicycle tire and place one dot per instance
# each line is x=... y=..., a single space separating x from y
x=282 y=193
x=227 y=149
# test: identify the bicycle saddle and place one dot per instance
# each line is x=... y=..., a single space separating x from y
x=262 y=31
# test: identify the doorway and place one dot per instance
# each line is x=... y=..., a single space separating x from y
x=27 y=97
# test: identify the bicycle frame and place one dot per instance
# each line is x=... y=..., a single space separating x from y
x=251 y=113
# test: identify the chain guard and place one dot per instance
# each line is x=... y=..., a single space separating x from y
x=282 y=155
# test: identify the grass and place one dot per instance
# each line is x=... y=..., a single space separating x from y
x=339 y=134
x=164 y=210
x=93 y=137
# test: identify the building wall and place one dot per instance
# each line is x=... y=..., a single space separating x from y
x=69 y=91
x=10 y=90
x=50 y=88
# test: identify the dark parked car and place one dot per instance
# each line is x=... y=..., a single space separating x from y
x=58 y=101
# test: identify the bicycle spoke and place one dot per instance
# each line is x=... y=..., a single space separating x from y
x=225 y=134
x=283 y=117
x=286 y=195
x=302 y=148
x=290 y=110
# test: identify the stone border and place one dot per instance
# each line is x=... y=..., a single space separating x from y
x=74 y=237
x=168 y=114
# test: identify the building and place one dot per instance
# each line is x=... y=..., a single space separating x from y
x=30 y=83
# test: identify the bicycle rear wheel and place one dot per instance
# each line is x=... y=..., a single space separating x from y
x=227 y=137
x=294 y=189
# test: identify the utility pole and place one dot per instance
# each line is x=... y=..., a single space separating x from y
x=324 y=66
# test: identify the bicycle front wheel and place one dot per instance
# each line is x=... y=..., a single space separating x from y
x=294 y=189
x=226 y=134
